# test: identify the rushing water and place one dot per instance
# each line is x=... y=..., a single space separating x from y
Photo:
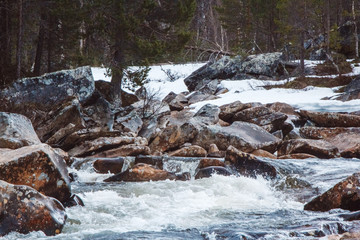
x=214 y=208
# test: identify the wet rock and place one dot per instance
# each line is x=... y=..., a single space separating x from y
x=248 y=165
x=142 y=173
x=16 y=131
x=209 y=171
x=208 y=114
x=297 y=156
x=210 y=162
x=173 y=137
x=190 y=151
x=89 y=148
x=23 y=209
x=157 y=161
x=352 y=152
x=106 y=165
x=39 y=167
x=126 y=150
x=344 y=195
x=74 y=200
x=245 y=136
x=318 y=148
x=183 y=176
x=326 y=119
x=353 y=216
x=263 y=153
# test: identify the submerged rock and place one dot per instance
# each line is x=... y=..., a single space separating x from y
x=39 y=167
x=209 y=171
x=106 y=165
x=16 y=131
x=23 y=209
x=249 y=165
x=142 y=173
x=344 y=195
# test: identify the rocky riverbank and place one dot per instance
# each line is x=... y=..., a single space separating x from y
x=65 y=119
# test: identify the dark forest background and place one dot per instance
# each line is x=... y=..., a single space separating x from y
x=40 y=36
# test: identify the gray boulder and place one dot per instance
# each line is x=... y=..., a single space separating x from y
x=16 y=131
x=244 y=136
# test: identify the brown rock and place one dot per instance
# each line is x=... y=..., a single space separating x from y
x=297 y=156
x=89 y=148
x=191 y=151
x=248 y=165
x=173 y=137
x=325 y=133
x=283 y=108
x=228 y=111
x=209 y=162
x=263 y=153
x=106 y=165
x=215 y=152
x=251 y=113
x=157 y=161
x=142 y=173
x=126 y=150
x=209 y=171
x=16 y=131
x=345 y=195
x=318 y=148
x=24 y=210
x=326 y=119
x=352 y=152
x=39 y=167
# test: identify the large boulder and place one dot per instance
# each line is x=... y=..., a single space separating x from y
x=244 y=136
x=249 y=165
x=23 y=209
x=318 y=148
x=213 y=70
x=142 y=173
x=351 y=91
x=173 y=137
x=39 y=167
x=345 y=195
x=16 y=131
x=331 y=119
x=266 y=64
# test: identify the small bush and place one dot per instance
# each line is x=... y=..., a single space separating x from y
x=328 y=68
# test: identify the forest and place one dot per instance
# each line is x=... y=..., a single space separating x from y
x=40 y=36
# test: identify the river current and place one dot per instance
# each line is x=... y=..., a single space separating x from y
x=219 y=207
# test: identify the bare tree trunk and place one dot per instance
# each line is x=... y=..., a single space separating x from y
x=49 y=43
x=40 y=44
x=327 y=4
x=355 y=30
x=19 y=40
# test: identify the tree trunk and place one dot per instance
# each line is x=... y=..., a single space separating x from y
x=327 y=4
x=19 y=40
x=40 y=44
x=355 y=30
x=49 y=43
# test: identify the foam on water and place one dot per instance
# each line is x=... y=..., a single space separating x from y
x=155 y=206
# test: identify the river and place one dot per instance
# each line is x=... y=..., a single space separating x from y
x=219 y=207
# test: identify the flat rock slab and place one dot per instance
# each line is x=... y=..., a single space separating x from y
x=16 y=131
x=328 y=119
x=23 y=209
x=39 y=167
x=244 y=136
